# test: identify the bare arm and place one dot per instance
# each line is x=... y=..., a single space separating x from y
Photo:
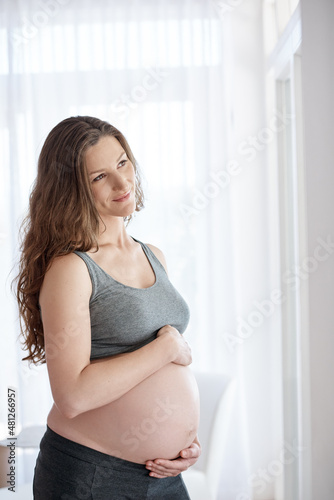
x=77 y=384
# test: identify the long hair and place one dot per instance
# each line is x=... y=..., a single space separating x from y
x=62 y=216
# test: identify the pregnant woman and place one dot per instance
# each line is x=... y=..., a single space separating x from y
x=96 y=304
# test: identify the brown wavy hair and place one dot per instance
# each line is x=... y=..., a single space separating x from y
x=62 y=216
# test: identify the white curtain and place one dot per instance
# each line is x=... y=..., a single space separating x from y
x=182 y=80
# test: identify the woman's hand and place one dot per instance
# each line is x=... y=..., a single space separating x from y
x=181 y=350
x=161 y=468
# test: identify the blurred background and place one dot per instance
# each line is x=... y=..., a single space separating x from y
x=228 y=108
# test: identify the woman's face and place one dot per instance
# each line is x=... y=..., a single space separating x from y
x=112 y=178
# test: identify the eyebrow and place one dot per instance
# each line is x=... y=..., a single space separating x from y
x=99 y=170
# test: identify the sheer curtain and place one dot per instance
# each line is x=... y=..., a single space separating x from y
x=182 y=80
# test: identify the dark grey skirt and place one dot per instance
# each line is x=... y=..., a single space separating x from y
x=66 y=470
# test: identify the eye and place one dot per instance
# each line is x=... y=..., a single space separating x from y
x=122 y=163
x=99 y=177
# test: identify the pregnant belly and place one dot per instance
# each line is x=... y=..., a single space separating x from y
x=156 y=419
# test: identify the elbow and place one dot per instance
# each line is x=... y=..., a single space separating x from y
x=68 y=407
x=69 y=412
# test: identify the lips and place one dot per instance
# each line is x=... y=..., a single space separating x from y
x=123 y=197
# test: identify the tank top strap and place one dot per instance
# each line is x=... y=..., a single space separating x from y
x=95 y=272
x=153 y=259
x=101 y=279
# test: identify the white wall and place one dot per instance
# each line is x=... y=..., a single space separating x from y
x=318 y=84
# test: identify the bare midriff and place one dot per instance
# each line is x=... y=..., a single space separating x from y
x=158 y=418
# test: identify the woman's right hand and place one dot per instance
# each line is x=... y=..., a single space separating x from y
x=181 y=349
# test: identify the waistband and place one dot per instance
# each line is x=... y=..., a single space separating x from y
x=82 y=452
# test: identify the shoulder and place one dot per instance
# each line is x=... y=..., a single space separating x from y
x=67 y=271
x=66 y=263
x=158 y=253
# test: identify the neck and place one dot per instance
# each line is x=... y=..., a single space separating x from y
x=113 y=232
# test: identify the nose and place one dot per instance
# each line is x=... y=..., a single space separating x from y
x=119 y=184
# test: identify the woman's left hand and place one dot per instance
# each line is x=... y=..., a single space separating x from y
x=164 y=468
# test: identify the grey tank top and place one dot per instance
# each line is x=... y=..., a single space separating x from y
x=124 y=318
